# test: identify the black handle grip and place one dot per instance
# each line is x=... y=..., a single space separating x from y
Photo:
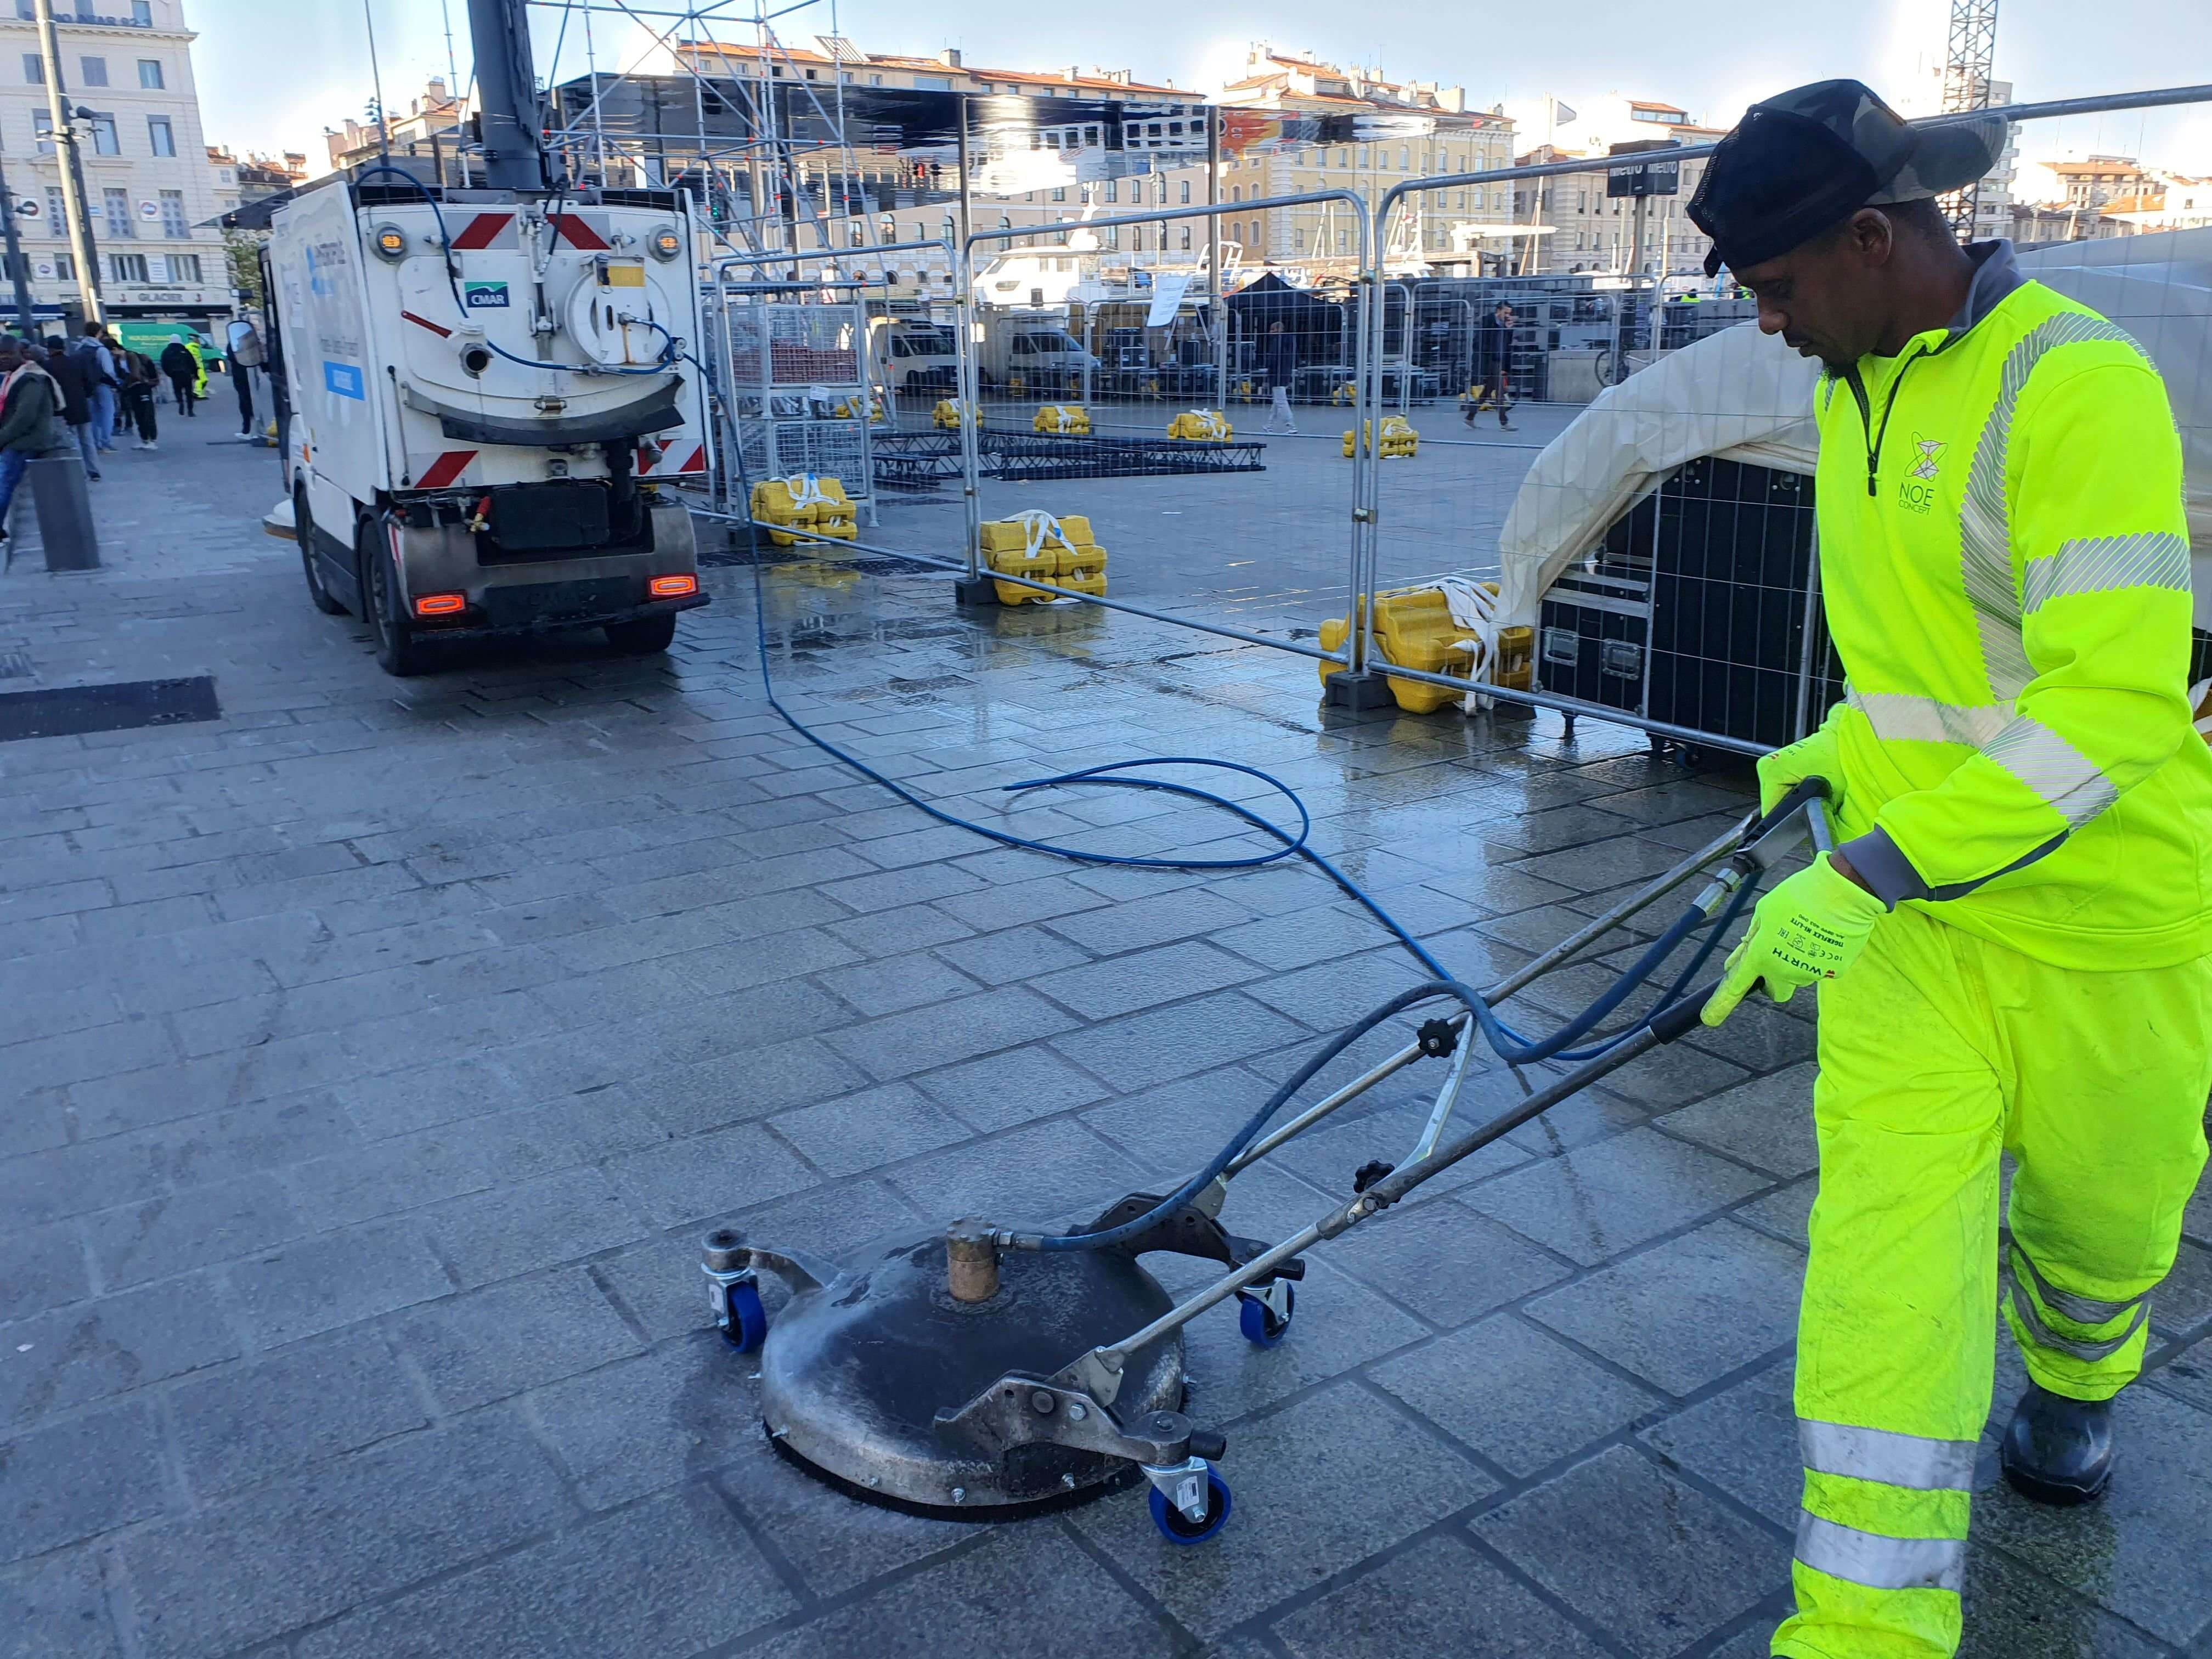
x=1805 y=789
x=1676 y=1018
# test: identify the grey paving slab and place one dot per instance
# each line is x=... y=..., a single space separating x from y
x=705 y=1175
x=1318 y=1487
x=2012 y=1612
x=1445 y=1263
x=1161 y=1044
x=486 y=1345
x=335 y=1278
x=1513 y=1393
x=1029 y=1174
x=57 y=1608
x=1014 y=1087
x=346 y=1530
x=1766 y=1123
x=993 y=1598
x=677 y=1574
x=79 y=1477
x=1742 y=1440
x=247 y=1423
x=43 y=1267
x=1144 y=978
x=1631 y=1545
x=1687 y=1312
x=1598 y=1200
x=924 y=1039
x=89 y=1349
x=530 y=1224
x=872 y=1127
x=638 y=1425
x=1438 y=1597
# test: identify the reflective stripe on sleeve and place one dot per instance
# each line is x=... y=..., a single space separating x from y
x=2023 y=1307
x=1895 y=1460
x=2053 y=769
x=2106 y=564
x=1879 y=1561
x=1900 y=718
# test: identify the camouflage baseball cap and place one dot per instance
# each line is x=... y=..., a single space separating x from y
x=1803 y=160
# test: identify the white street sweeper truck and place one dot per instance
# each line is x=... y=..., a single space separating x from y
x=488 y=391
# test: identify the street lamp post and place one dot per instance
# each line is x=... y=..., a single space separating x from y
x=81 y=252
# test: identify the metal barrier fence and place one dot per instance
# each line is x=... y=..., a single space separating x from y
x=1661 y=554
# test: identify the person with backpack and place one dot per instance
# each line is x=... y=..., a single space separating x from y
x=95 y=352
x=67 y=371
x=30 y=423
x=141 y=381
x=182 y=365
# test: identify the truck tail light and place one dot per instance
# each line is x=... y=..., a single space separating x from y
x=672 y=587
x=441 y=605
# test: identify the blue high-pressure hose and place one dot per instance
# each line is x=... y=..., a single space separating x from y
x=1509 y=1044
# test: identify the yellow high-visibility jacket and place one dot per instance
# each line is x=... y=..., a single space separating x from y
x=2005 y=568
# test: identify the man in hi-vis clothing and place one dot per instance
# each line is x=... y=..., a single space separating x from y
x=2011 y=940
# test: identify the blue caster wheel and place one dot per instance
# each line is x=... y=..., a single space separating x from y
x=1259 y=1323
x=1177 y=1529
x=747 y=1325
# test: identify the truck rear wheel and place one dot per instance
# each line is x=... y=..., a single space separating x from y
x=644 y=636
x=397 y=651
x=303 y=527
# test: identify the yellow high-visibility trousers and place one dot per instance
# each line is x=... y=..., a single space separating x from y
x=1938 y=1050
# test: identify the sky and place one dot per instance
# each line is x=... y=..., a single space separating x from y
x=273 y=73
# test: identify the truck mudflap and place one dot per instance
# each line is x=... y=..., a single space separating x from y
x=511 y=611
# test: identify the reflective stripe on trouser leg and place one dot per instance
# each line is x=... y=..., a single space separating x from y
x=1896 y=1337
x=2053 y=1322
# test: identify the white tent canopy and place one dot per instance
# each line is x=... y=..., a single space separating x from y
x=1742 y=396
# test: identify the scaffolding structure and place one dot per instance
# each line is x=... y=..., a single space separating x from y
x=1969 y=55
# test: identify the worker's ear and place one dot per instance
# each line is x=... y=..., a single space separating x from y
x=1872 y=236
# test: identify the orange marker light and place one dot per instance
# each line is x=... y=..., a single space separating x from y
x=672 y=587
x=441 y=605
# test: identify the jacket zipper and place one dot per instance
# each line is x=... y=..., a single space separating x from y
x=1875 y=435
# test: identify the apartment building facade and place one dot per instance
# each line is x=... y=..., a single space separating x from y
x=149 y=189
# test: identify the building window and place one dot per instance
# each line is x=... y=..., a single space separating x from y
x=1236 y=192
x=1401 y=158
x=161 y=135
x=1113 y=190
x=104 y=140
x=127 y=267
x=92 y=71
x=34 y=68
x=65 y=268
x=42 y=125
x=149 y=75
x=1185 y=237
x=117 y=202
x=1297 y=240
x=1343 y=241
x=1060 y=193
x=142 y=13
x=1186 y=191
x=185 y=268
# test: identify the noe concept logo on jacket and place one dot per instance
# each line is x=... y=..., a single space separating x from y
x=1913 y=493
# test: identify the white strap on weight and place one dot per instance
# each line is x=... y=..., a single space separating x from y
x=1211 y=427
x=1474 y=607
x=806 y=489
x=1038 y=527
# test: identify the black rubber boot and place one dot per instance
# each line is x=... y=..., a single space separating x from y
x=2058 y=1450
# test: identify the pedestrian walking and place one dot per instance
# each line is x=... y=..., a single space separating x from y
x=2013 y=941
x=141 y=381
x=244 y=353
x=1494 y=347
x=30 y=423
x=67 y=370
x=182 y=366
x=96 y=352
x=1278 y=361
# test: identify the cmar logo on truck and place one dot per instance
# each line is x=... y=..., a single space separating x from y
x=484 y=297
